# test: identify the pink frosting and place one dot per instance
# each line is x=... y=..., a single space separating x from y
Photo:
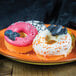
x=27 y=28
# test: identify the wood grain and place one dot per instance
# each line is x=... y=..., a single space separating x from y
x=13 y=68
x=5 y=67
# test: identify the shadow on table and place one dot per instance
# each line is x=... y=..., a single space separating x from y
x=11 y=67
x=5 y=67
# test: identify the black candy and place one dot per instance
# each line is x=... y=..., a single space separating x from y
x=51 y=27
x=61 y=32
x=65 y=31
x=8 y=32
x=12 y=37
x=15 y=34
x=57 y=30
x=53 y=31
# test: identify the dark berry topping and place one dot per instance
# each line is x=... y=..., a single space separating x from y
x=57 y=30
x=11 y=35
x=8 y=32
x=61 y=32
x=65 y=31
x=15 y=34
x=51 y=27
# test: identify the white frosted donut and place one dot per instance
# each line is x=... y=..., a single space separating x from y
x=60 y=46
x=38 y=25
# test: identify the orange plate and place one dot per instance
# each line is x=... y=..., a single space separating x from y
x=32 y=57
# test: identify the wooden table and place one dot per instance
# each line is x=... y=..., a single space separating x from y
x=13 y=68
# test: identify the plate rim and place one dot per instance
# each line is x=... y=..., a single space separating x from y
x=38 y=63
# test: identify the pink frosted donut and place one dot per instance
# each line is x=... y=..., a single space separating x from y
x=27 y=28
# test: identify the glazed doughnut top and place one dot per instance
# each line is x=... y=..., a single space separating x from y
x=17 y=27
x=61 y=45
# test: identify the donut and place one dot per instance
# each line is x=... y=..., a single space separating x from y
x=56 y=41
x=39 y=25
x=19 y=36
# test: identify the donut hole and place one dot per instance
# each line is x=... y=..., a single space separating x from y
x=49 y=41
x=22 y=34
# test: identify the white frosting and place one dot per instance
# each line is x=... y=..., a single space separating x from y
x=38 y=25
x=60 y=47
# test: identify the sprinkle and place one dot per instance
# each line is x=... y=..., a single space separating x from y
x=60 y=47
x=58 y=50
x=60 y=43
x=44 y=52
x=65 y=36
x=63 y=42
x=47 y=48
x=47 y=51
x=65 y=48
x=53 y=51
x=41 y=51
x=44 y=47
x=43 y=38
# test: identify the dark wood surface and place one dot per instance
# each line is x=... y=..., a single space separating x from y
x=12 y=68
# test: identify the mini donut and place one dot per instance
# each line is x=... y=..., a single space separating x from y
x=49 y=43
x=13 y=40
x=39 y=25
